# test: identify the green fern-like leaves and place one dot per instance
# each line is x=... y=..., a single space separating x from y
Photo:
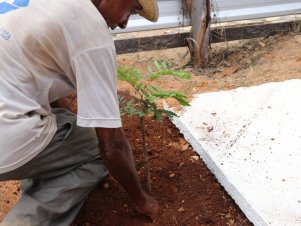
x=161 y=68
x=148 y=94
x=131 y=75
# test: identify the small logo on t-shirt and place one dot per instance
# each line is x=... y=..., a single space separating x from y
x=10 y=5
x=4 y=34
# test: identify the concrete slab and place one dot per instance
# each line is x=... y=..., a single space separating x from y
x=250 y=138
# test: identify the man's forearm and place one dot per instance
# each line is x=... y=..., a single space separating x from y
x=117 y=155
x=61 y=103
x=119 y=160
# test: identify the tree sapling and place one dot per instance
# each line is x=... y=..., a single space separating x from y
x=145 y=104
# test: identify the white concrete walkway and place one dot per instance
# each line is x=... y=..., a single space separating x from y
x=251 y=139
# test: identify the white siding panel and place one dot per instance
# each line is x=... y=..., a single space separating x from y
x=236 y=4
x=226 y=11
x=223 y=11
x=170 y=15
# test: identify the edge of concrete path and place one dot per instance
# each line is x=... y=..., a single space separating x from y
x=243 y=204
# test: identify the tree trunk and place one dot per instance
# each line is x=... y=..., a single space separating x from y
x=200 y=41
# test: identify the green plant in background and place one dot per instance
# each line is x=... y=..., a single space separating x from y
x=145 y=104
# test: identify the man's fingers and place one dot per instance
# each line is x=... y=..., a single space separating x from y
x=150 y=209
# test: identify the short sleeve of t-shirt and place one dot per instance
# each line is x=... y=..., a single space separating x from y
x=93 y=65
x=96 y=77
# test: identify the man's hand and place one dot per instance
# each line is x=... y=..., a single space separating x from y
x=118 y=158
x=147 y=206
x=62 y=103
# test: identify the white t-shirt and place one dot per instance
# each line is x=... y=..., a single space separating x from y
x=47 y=50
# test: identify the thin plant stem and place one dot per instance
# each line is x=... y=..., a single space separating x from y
x=146 y=157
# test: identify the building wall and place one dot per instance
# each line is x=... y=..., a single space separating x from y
x=232 y=10
x=223 y=11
